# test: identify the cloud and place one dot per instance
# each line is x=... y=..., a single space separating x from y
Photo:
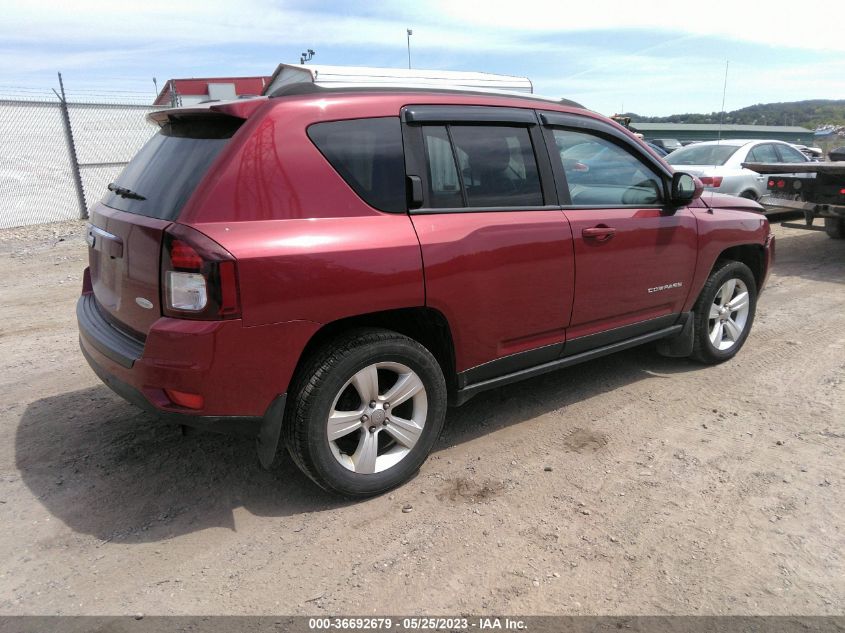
x=656 y=58
x=216 y=23
x=741 y=21
x=656 y=86
x=449 y=24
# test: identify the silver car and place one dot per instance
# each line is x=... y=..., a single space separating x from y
x=718 y=164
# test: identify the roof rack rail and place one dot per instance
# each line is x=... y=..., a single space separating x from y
x=571 y=103
x=309 y=88
x=301 y=88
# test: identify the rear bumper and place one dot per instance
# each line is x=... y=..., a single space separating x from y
x=234 y=425
x=99 y=333
x=239 y=371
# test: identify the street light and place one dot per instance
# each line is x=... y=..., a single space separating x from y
x=410 y=33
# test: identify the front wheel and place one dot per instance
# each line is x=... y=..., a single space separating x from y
x=724 y=312
x=366 y=411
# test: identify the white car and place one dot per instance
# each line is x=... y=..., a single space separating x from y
x=718 y=164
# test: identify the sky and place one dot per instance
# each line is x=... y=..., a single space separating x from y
x=653 y=58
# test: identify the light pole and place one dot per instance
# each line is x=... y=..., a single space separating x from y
x=410 y=33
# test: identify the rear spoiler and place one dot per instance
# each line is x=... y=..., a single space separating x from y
x=240 y=109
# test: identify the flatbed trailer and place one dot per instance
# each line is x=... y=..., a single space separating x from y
x=822 y=197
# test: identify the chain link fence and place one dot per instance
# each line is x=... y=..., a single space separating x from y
x=57 y=155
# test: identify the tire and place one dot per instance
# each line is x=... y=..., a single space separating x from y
x=835 y=228
x=751 y=195
x=720 y=332
x=365 y=450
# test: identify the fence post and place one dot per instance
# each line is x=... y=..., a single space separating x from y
x=71 y=150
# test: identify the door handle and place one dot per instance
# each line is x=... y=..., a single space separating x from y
x=598 y=233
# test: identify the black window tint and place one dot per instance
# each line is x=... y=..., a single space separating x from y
x=368 y=155
x=497 y=164
x=790 y=154
x=763 y=154
x=599 y=172
x=444 y=186
x=168 y=168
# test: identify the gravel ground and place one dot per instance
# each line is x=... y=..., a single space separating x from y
x=633 y=484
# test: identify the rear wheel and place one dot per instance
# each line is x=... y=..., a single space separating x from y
x=724 y=312
x=835 y=228
x=366 y=411
x=751 y=195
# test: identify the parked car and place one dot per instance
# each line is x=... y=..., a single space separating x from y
x=668 y=144
x=718 y=164
x=812 y=153
x=837 y=154
x=334 y=266
x=662 y=152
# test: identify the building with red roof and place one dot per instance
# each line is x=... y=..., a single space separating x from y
x=183 y=92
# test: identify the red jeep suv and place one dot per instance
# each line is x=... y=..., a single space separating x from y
x=332 y=267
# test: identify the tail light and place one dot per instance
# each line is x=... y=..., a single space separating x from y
x=711 y=181
x=199 y=278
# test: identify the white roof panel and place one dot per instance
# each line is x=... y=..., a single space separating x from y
x=364 y=75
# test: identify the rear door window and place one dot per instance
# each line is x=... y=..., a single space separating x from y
x=368 y=155
x=790 y=154
x=481 y=166
x=444 y=184
x=160 y=179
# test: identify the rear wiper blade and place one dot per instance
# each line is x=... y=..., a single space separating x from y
x=123 y=192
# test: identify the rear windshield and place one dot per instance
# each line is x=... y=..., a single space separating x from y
x=702 y=155
x=164 y=174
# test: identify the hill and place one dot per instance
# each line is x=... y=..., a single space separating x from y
x=810 y=114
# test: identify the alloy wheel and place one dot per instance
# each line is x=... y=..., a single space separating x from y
x=377 y=417
x=729 y=314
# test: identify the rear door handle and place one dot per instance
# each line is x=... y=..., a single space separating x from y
x=598 y=233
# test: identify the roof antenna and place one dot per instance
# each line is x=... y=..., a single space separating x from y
x=724 y=92
x=306 y=56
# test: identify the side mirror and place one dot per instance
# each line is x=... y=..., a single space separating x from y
x=685 y=188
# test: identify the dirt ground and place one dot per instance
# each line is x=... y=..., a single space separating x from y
x=630 y=485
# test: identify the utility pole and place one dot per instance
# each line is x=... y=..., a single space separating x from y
x=410 y=33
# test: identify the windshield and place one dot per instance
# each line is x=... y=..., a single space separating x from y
x=158 y=181
x=702 y=155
